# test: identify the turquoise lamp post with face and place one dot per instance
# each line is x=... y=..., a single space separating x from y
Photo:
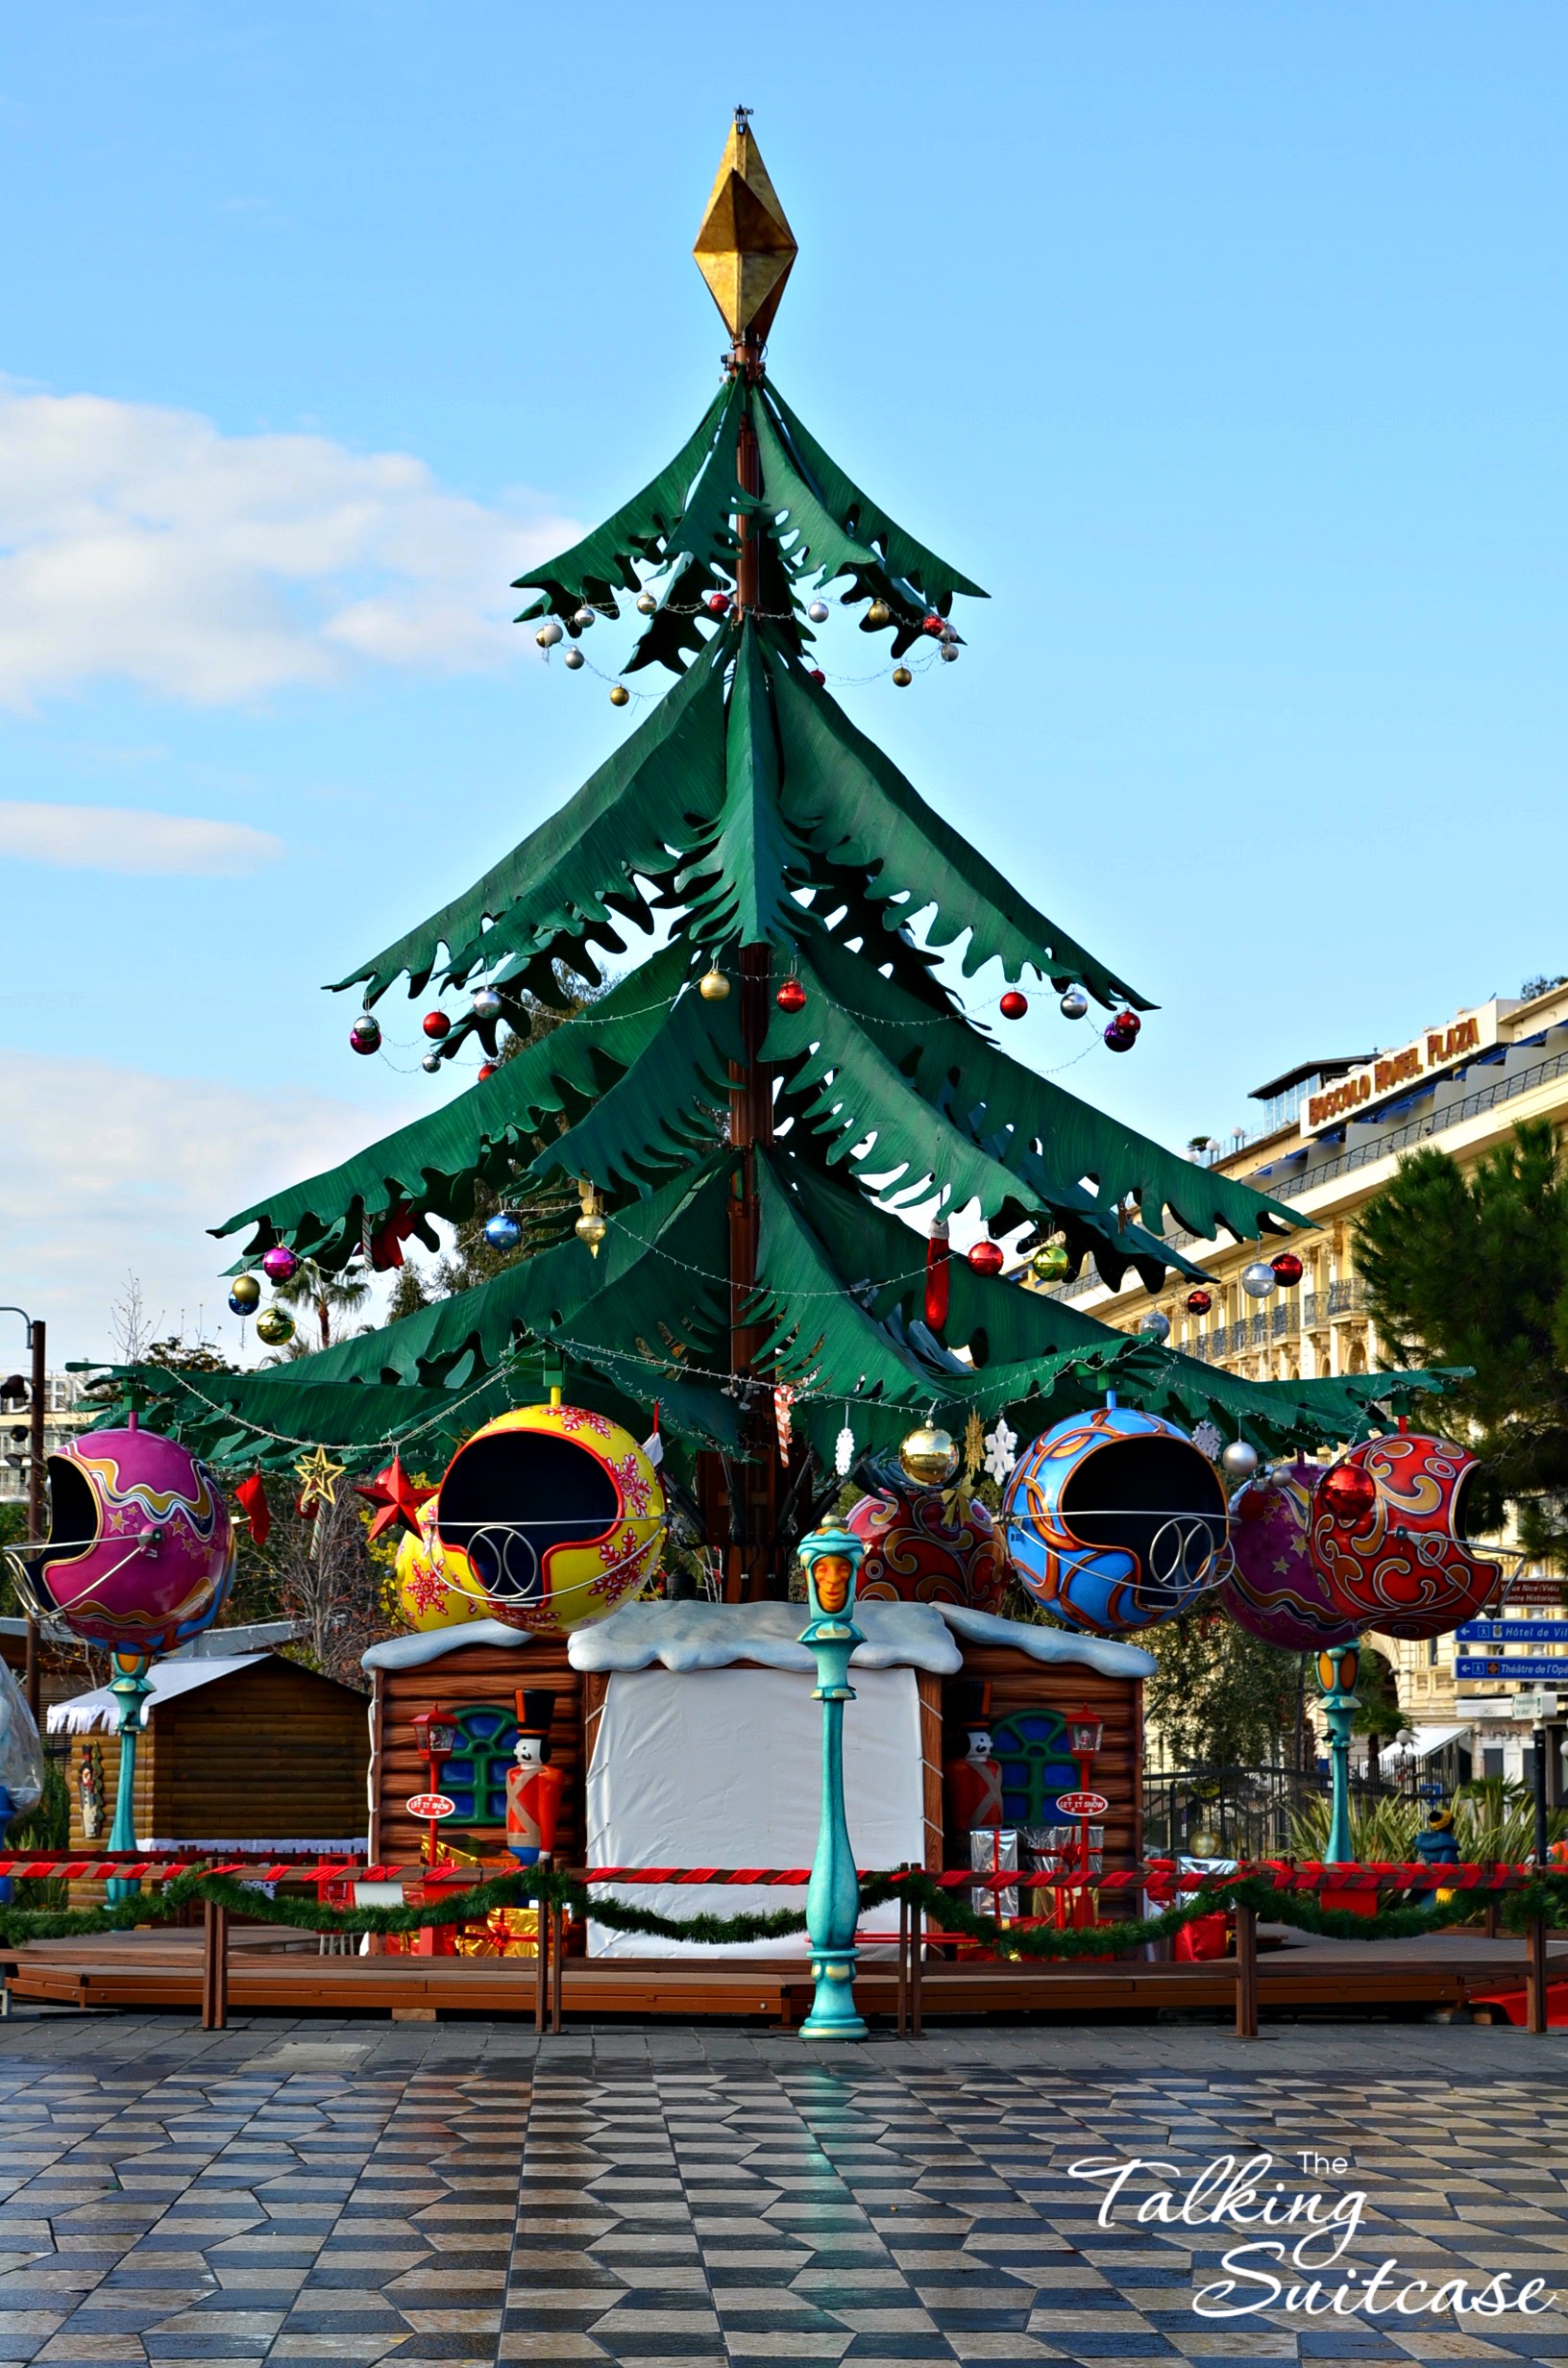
x=832 y=1566
x=1337 y=1669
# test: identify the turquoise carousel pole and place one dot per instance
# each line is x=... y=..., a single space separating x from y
x=832 y=1562
x=1337 y=1672
x=130 y=1684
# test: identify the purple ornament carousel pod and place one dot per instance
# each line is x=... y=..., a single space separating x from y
x=141 y=1554
x=1115 y=1520
x=1274 y=1590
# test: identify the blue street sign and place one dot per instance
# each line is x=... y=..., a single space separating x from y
x=1523 y=1665
x=1513 y=1632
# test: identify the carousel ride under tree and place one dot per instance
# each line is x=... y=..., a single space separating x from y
x=733 y=1164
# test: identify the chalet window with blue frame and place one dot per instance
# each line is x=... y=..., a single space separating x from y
x=1031 y=1749
x=474 y=1778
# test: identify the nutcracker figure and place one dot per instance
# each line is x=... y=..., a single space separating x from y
x=533 y=1786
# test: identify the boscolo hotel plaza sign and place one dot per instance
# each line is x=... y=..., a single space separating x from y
x=1435 y=1050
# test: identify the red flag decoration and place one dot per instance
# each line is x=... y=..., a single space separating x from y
x=250 y=1497
x=936 y=1275
x=395 y=1498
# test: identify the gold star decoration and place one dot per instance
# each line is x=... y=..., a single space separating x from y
x=745 y=249
x=319 y=1478
x=974 y=1448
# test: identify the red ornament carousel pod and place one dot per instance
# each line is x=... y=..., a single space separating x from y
x=916 y=1552
x=1394 y=1557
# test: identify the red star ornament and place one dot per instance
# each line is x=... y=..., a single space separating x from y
x=395 y=1498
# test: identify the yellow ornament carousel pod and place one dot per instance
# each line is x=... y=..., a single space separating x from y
x=436 y=1587
x=559 y=1513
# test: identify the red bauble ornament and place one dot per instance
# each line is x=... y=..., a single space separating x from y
x=1198 y=1302
x=817 y=675
x=717 y=604
x=436 y=1025
x=1349 y=1493
x=987 y=1258
x=791 y=996
x=1013 y=1004
x=487 y=1069
x=932 y=625
x=395 y=1498
x=1287 y=1270
x=1122 y=1032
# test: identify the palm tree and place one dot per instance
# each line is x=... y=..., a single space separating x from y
x=326 y=1296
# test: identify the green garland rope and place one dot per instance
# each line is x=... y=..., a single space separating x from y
x=1544 y=1898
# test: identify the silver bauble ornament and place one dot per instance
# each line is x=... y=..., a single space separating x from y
x=647 y=604
x=487 y=1004
x=949 y=650
x=1240 y=1461
x=1259 y=1279
x=1155 y=1326
x=573 y=659
x=818 y=612
x=430 y=1062
x=1074 y=1003
x=582 y=620
x=549 y=634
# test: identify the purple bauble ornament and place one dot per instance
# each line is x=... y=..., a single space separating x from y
x=280 y=1265
x=1274 y=1591
x=140 y=1553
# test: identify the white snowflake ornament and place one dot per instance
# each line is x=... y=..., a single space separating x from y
x=1001 y=1451
x=844 y=1452
x=1208 y=1441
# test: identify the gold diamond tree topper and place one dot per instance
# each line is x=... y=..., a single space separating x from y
x=744 y=249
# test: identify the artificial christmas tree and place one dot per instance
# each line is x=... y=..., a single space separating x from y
x=743 y=1116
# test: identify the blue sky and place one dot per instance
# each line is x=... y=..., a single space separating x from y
x=1224 y=345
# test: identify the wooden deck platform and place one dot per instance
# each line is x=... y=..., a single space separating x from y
x=273 y=1973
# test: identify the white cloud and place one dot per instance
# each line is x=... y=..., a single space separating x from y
x=109 y=1171
x=145 y=544
x=110 y=838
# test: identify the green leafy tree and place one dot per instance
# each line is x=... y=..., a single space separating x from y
x=326 y=1297
x=1472 y=1269
x=1220 y=1697
x=1380 y=1718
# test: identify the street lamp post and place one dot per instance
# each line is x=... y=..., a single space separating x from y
x=130 y=1684
x=436 y=1733
x=832 y=1563
x=35 y=1485
x=1337 y=1672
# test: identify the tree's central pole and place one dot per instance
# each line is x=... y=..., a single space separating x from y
x=753 y=1543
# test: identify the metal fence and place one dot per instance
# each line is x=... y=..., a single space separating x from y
x=1233 y=1812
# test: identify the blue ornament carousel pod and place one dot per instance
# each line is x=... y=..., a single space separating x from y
x=1115 y=1520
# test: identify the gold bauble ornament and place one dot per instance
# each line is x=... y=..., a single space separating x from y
x=878 y=614
x=1049 y=1263
x=246 y=1290
x=928 y=1456
x=712 y=986
x=275 y=1327
x=619 y=694
x=592 y=1229
x=902 y=677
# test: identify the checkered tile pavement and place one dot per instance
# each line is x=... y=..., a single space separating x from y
x=884 y=2207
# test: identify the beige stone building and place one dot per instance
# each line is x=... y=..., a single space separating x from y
x=1331 y=1132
